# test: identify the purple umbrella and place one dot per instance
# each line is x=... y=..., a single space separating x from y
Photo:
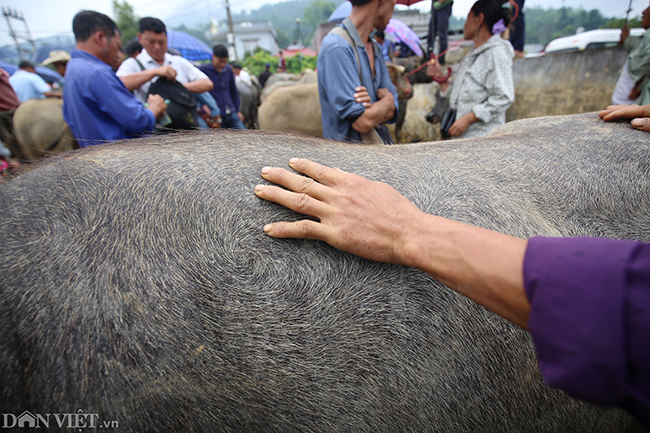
x=400 y=32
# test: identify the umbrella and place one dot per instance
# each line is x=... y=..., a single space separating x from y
x=400 y=32
x=341 y=12
x=190 y=47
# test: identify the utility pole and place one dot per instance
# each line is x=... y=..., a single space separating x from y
x=231 y=38
x=10 y=14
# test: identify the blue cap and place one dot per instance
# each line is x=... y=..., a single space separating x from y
x=268 y=65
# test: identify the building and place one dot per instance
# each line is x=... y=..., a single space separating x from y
x=247 y=36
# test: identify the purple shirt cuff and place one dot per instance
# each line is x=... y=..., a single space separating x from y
x=590 y=318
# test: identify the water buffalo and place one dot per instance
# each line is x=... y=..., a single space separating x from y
x=139 y=288
x=295 y=107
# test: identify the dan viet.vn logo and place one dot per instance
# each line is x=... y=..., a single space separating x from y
x=78 y=420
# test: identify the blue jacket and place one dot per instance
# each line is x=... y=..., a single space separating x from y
x=96 y=104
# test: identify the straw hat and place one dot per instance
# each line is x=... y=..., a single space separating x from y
x=57 y=56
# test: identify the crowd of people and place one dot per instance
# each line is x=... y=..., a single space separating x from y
x=107 y=93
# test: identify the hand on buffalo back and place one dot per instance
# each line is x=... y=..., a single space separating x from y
x=639 y=114
x=366 y=218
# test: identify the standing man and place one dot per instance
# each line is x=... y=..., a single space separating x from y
x=28 y=85
x=241 y=75
x=225 y=89
x=96 y=104
x=518 y=35
x=355 y=91
x=265 y=74
x=439 y=25
x=154 y=61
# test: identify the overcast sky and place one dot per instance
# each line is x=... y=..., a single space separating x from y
x=47 y=18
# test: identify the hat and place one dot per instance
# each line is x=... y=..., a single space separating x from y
x=267 y=65
x=57 y=56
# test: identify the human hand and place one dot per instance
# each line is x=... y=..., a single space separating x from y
x=434 y=69
x=639 y=114
x=459 y=127
x=157 y=105
x=240 y=115
x=166 y=72
x=625 y=33
x=362 y=217
x=385 y=94
x=362 y=96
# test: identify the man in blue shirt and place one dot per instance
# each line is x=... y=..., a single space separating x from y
x=96 y=104
x=350 y=108
x=28 y=84
x=225 y=90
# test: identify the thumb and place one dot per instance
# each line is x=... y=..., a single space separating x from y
x=641 y=124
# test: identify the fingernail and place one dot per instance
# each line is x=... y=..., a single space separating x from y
x=259 y=188
x=293 y=160
x=639 y=123
x=267 y=228
x=266 y=170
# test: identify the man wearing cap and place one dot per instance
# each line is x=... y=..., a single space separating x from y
x=154 y=61
x=28 y=85
x=265 y=74
x=59 y=60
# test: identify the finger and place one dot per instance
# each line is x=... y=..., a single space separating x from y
x=301 y=203
x=361 y=89
x=294 y=182
x=320 y=173
x=641 y=124
x=304 y=229
x=367 y=105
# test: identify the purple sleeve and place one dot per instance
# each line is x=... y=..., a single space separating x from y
x=590 y=318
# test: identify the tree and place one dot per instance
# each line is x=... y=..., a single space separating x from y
x=317 y=12
x=125 y=19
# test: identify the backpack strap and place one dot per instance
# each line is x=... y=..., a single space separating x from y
x=139 y=63
x=343 y=32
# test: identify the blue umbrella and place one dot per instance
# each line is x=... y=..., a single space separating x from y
x=341 y=12
x=190 y=47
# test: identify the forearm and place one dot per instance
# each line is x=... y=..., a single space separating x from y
x=380 y=111
x=199 y=86
x=135 y=81
x=483 y=265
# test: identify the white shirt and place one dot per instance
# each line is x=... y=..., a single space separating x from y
x=244 y=76
x=624 y=86
x=186 y=72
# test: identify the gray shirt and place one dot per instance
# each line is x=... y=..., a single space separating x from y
x=484 y=85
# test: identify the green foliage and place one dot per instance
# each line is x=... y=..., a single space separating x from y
x=544 y=25
x=618 y=23
x=125 y=19
x=295 y=66
x=317 y=12
x=254 y=63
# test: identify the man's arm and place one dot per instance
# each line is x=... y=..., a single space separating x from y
x=134 y=81
x=382 y=110
x=199 y=86
x=372 y=220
